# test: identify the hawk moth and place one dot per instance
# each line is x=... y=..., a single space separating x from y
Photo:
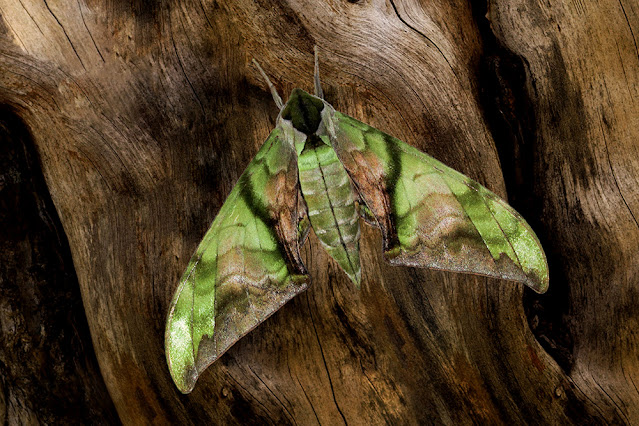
x=321 y=168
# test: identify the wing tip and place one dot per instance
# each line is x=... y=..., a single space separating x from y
x=208 y=352
x=184 y=378
x=189 y=379
x=355 y=277
x=538 y=284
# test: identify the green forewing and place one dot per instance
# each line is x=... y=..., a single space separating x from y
x=433 y=216
x=246 y=267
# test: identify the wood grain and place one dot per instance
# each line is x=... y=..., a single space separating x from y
x=145 y=114
x=582 y=81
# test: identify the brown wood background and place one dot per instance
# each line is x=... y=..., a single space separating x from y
x=125 y=124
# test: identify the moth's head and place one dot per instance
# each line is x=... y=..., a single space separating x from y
x=303 y=118
x=303 y=111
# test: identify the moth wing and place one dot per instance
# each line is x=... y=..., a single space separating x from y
x=433 y=216
x=246 y=267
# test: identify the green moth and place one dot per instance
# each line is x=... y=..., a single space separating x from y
x=320 y=168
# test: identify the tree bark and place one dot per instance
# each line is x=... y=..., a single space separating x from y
x=144 y=114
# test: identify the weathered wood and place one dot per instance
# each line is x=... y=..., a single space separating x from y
x=144 y=116
x=48 y=369
x=582 y=64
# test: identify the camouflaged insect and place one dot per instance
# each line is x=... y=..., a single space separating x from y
x=323 y=169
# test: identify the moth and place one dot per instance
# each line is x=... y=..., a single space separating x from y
x=321 y=168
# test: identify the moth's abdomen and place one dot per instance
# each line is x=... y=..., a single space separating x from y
x=330 y=198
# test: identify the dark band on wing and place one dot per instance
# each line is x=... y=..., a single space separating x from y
x=260 y=210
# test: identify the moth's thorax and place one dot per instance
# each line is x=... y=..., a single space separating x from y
x=303 y=116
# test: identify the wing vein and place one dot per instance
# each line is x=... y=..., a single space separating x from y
x=502 y=231
x=467 y=216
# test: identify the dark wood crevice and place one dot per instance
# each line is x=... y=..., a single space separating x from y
x=505 y=86
x=48 y=368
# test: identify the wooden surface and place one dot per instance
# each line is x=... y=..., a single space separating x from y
x=144 y=114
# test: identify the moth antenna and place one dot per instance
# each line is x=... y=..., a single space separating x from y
x=276 y=96
x=318 y=87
